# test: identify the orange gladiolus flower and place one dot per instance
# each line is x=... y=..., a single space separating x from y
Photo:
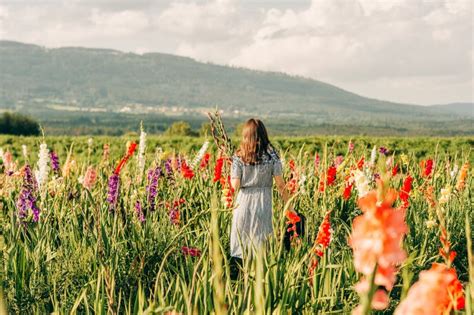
x=376 y=240
x=438 y=291
x=462 y=177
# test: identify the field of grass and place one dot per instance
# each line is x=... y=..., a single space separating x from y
x=168 y=252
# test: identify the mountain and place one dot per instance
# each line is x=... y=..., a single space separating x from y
x=73 y=79
x=462 y=109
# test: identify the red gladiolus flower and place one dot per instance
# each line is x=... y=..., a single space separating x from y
x=428 y=167
x=445 y=250
x=218 y=169
x=395 y=170
x=347 y=191
x=205 y=160
x=293 y=218
x=405 y=191
x=324 y=236
x=331 y=175
x=190 y=251
x=321 y=243
x=186 y=170
x=131 y=150
x=360 y=163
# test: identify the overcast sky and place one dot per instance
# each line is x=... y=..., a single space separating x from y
x=414 y=51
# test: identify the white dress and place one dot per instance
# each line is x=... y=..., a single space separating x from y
x=252 y=219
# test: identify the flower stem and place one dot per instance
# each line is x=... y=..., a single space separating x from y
x=367 y=303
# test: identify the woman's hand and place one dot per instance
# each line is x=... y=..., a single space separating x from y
x=281 y=186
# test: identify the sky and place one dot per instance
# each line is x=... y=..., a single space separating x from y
x=409 y=51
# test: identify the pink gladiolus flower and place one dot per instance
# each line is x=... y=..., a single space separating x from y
x=90 y=178
x=438 y=291
x=376 y=240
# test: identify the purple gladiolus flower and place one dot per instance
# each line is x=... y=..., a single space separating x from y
x=383 y=150
x=27 y=200
x=139 y=211
x=54 y=162
x=168 y=168
x=112 y=196
x=153 y=176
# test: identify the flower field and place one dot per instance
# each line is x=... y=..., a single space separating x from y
x=141 y=224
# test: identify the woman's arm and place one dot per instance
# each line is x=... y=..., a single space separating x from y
x=235 y=182
x=281 y=186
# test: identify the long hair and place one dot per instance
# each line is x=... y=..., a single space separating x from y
x=255 y=142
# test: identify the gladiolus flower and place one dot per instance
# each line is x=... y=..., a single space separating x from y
x=106 y=152
x=373 y=156
x=190 y=251
x=90 y=178
x=445 y=195
x=350 y=147
x=200 y=155
x=361 y=183
x=317 y=160
x=43 y=169
x=205 y=160
x=376 y=240
x=186 y=170
x=321 y=243
x=139 y=211
x=151 y=188
x=360 y=163
x=54 y=162
x=347 y=191
x=383 y=150
x=27 y=199
x=293 y=218
x=141 y=152
x=405 y=191
x=218 y=169
x=131 y=150
x=395 y=170
x=428 y=167
x=112 y=195
x=324 y=235
x=461 y=183
x=438 y=291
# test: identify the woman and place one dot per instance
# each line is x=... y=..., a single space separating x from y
x=254 y=167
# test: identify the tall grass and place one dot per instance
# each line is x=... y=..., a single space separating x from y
x=83 y=258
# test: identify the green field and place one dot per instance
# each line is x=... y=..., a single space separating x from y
x=84 y=256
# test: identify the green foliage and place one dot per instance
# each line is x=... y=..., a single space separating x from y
x=180 y=128
x=82 y=257
x=18 y=124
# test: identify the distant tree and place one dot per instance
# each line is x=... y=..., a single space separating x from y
x=18 y=124
x=180 y=128
x=205 y=129
x=238 y=130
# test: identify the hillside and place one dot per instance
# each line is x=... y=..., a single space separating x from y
x=39 y=80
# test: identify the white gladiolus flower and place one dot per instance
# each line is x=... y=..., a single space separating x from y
x=200 y=154
x=90 y=142
x=43 y=168
x=445 y=195
x=373 y=156
x=455 y=171
x=24 y=150
x=141 y=152
x=361 y=183
x=301 y=183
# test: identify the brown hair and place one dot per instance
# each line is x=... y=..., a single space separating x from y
x=255 y=141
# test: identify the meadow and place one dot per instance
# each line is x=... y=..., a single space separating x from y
x=97 y=225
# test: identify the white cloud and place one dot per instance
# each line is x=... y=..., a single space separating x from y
x=416 y=51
